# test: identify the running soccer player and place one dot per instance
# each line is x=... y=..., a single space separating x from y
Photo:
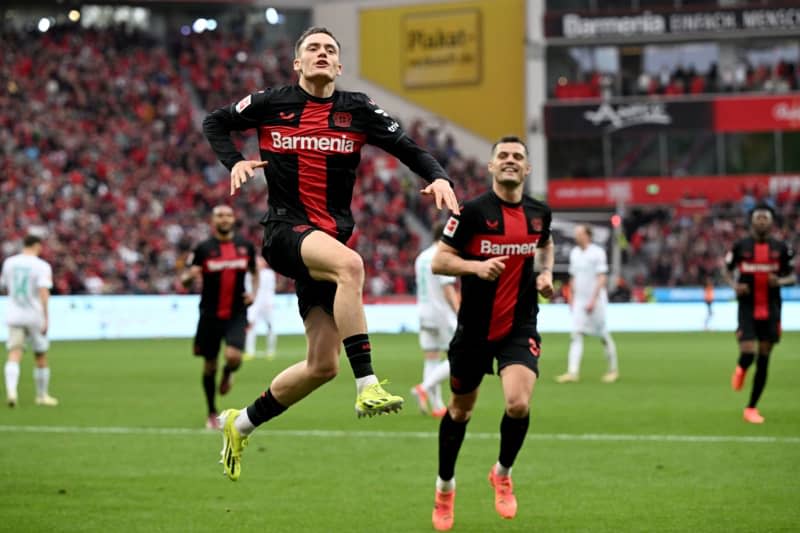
x=497 y=244
x=221 y=263
x=28 y=280
x=437 y=305
x=764 y=265
x=311 y=135
x=588 y=270
x=261 y=311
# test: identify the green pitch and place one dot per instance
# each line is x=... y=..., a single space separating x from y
x=662 y=450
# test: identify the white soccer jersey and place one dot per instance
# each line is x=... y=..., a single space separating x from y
x=584 y=267
x=266 y=287
x=22 y=276
x=434 y=310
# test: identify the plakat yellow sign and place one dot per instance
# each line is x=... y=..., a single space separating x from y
x=463 y=60
x=442 y=48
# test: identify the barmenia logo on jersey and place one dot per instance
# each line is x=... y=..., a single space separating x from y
x=215 y=265
x=523 y=248
x=341 y=145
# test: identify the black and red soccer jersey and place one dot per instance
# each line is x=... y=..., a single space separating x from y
x=756 y=261
x=313 y=146
x=490 y=227
x=224 y=265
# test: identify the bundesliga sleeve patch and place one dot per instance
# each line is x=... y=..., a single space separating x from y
x=450 y=228
x=244 y=103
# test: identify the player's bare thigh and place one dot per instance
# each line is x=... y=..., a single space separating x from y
x=329 y=260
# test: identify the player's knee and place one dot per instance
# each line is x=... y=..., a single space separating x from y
x=459 y=414
x=323 y=372
x=517 y=407
x=351 y=270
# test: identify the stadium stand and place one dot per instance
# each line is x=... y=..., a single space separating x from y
x=106 y=161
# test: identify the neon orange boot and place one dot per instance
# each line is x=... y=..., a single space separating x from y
x=505 y=503
x=443 y=510
x=752 y=415
x=737 y=379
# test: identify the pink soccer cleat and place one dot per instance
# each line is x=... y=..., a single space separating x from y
x=752 y=416
x=737 y=379
x=505 y=503
x=443 y=510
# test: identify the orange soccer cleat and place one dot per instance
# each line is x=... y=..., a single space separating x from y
x=439 y=413
x=737 y=379
x=422 y=398
x=505 y=503
x=443 y=515
x=752 y=415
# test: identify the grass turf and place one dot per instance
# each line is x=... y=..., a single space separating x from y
x=344 y=480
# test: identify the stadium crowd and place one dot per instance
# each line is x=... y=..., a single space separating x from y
x=669 y=248
x=104 y=159
x=101 y=153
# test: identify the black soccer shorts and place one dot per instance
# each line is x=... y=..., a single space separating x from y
x=281 y=249
x=212 y=330
x=470 y=360
x=751 y=329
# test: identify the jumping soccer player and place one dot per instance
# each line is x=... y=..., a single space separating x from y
x=311 y=135
x=493 y=245
x=764 y=265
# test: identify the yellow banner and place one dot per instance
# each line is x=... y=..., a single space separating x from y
x=464 y=61
x=442 y=48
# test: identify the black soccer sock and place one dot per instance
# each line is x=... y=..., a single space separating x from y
x=512 y=435
x=759 y=380
x=451 y=435
x=229 y=369
x=359 y=353
x=264 y=408
x=746 y=359
x=208 y=388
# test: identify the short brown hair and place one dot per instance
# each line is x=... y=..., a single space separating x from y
x=311 y=31
x=510 y=139
x=31 y=240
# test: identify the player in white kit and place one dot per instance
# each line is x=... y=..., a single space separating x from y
x=437 y=303
x=28 y=280
x=261 y=310
x=588 y=269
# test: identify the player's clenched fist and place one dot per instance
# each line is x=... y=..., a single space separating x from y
x=491 y=269
x=242 y=171
x=544 y=284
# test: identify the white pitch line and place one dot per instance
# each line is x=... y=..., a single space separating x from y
x=322 y=433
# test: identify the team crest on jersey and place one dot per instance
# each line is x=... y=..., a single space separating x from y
x=450 y=228
x=244 y=103
x=342 y=119
x=241 y=250
x=536 y=223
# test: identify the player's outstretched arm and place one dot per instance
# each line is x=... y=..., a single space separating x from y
x=242 y=171
x=443 y=194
